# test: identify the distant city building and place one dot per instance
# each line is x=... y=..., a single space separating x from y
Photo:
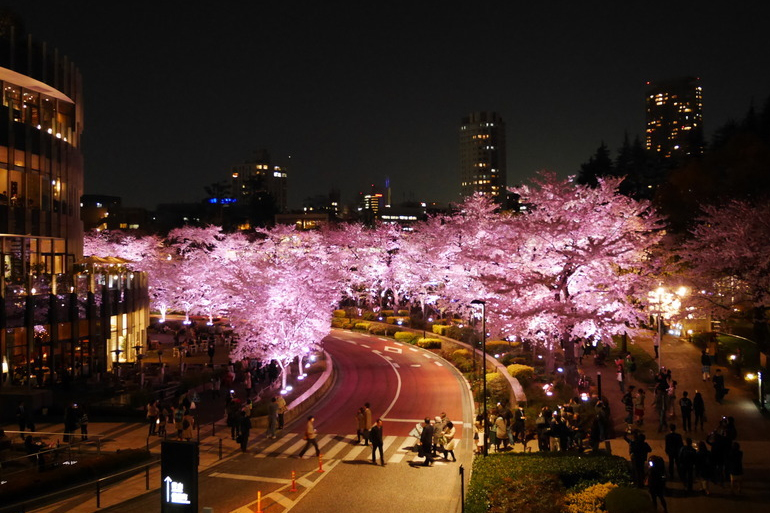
x=258 y=176
x=482 y=155
x=95 y=210
x=63 y=317
x=675 y=118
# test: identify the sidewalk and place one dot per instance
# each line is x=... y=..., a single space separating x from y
x=683 y=359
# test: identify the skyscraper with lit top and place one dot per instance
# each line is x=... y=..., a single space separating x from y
x=482 y=155
x=675 y=118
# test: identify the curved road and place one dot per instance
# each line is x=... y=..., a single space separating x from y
x=403 y=384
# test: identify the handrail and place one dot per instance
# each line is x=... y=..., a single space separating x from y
x=46 y=499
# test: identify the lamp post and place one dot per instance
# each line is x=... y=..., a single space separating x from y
x=484 y=367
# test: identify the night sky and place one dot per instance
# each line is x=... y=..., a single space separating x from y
x=177 y=92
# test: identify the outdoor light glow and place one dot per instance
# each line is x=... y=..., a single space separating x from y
x=733 y=357
x=559 y=369
x=585 y=397
x=751 y=376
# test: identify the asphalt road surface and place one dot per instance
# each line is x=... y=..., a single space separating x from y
x=403 y=384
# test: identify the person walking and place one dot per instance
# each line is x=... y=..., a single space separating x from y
x=699 y=408
x=621 y=377
x=639 y=407
x=628 y=404
x=719 y=385
x=656 y=482
x=245 y=429
x=187 y=425
x=501 y=433
x=359 y=424
x=426 y=442
x=272 y=417
x=705 y=363
x=83 y=421
x=685 y=406
x=674 y=446
x=686 y=463
x=310 y=438
x=703 y=467
x=376 y=438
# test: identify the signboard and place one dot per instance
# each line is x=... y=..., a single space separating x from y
x=179 y=477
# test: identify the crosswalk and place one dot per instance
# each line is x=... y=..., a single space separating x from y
x=345 y=448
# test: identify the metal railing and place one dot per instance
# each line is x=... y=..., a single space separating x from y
x=54 y=449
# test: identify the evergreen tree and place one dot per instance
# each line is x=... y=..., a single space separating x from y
x=598 y=166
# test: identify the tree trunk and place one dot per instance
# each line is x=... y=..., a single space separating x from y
x=570 y=365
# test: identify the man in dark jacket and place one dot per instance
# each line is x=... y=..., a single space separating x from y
x=674 y=444
x=426 y=442
x=375 y=437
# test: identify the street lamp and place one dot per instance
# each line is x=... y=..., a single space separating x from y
x=484 y=366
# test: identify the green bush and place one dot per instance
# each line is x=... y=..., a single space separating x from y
x=441 y=329
x=429 y=343
x=461 y=353
x=386 y=313
x=339 y=313
x=497 y=473
x=406 y=337
x=524 y=373
x=588 y=500
x=392 y=319
x=532 y=492
x=626 y=499
x=500 y=346
x=403 y=313
x=369 y=316
x=378 y=329
x=343 y=323
x=498 y=388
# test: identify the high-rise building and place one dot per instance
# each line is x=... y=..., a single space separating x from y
x=63 y=317
x=258 y=176
x=482 y=155
x=675 y=118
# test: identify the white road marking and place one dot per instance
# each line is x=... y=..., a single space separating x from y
x=274 y=447
x=243 y=477
x=367 y=347
x=338 y=447
x=439 y=364
x=416 y=365
x=392 y=350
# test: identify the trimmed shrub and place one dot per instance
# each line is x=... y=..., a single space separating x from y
x=378 y=329
x=626 y=499
x=441 y=329
x=406 y=336
x=500 y=346
x=363 y=326
x=386 y=313
x=343 y=323
x=498 y=388
x=429 y=343
x=524 y=373
x=590 y=500
x=403 y=313
x=369 y=316
x=392 y=319
x=339 y=313
x=461 y=353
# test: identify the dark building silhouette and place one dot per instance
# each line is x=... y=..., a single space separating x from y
x=675 y=118
x=482 y=155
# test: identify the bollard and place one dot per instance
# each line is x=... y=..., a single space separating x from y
x=98 y=495
x=462 y=489
x=320 y=464
x=259 y=502
x=293 y=482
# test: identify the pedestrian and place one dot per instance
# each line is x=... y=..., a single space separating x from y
x=281 y=409
x=478 y=436
x=272 y=417
x=735 y=468
x=703 y=469
x=719 y=385
x=359 y=424
x=656 y=482
x=24 y=418
x=71 y=417
x=705 y=362
x=376 y=438
x=501 y=433
x=244 y=430
x=152 y=416
x=686 y=463
x=621 y=377
x=628 y=403
x=162 y=421
x=660 y=407
x=83 y=421
x=310 y=437
x=656 y=344
x=216 y=385
x=638 y=449
x=426 y=442
x=187 y=425
x=685 y=406
x=450 y=442
x=519 y=419
x=639 y=407
x=367 y=423
x=674 y=446
x=671 y=402
x=178 y=421
x=699 y=409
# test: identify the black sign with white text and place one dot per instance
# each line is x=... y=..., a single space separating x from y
x=179 y=477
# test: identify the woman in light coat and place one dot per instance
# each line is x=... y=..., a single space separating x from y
x=451 y=442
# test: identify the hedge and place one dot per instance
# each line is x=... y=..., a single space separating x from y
x=429 y=343
x=339 y=313
x=497 y=474
x=500 y=346
x=343 y=323
x=406 y=337
x=391 y=319
x=363 y=326
x=524 y=373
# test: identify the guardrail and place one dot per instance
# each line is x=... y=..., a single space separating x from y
x=53 y=448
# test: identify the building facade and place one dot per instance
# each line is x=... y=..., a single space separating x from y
x=482 y=155
x=60 y=317
x=675 y=118
x=258 y=176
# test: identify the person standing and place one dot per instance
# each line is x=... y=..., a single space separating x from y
x=187 y=425
x=639 y=408
x=376 y=438
x=83 y=421
x=703 y=469
x=621 y=377
x=23 y=417
x=674 y=446
x=245 y=429
x=685 y=406
x=699 y=408
x=719 y=385
x=656 y=343
x=281 y=409
x=656 y=482
x=152 y=416
x=735 y=468
x=272 y=417
x=367 y=423
x=628 y=404
x=638 y=449
x=360 y=424
x=686 y=463
x=451 y=441
x=310 y=437
x=426 y=442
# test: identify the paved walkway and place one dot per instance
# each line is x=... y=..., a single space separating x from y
x=683 y=358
